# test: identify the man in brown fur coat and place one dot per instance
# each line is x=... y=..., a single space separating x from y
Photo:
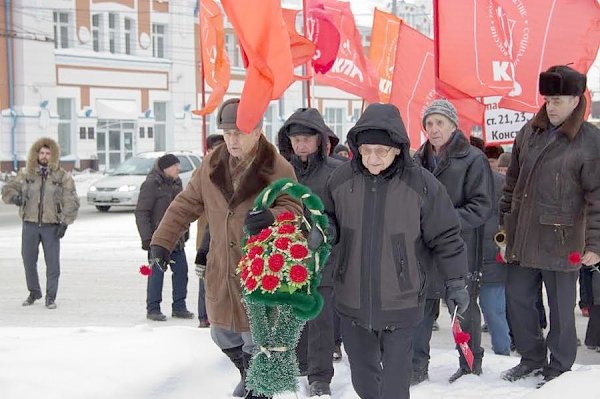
x=224 y=190
x=47 y=200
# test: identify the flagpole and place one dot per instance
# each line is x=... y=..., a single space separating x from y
x=307 y=66
x=202 y=86
x=436 y=47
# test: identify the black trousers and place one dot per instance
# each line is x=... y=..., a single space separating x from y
x=422 y=336
x=316 y=344
x=522 y=289
x=380 y=361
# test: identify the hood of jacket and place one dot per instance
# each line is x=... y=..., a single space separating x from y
x=32 y=157
x=382 y=117
x=310 y=118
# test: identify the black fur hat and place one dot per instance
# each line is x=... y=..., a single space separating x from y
x=562 y=80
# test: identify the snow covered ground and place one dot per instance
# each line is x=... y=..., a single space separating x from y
x=98 y=344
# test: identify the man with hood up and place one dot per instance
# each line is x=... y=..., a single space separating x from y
x=303 y=141
x=393 y=219
x=47 y=200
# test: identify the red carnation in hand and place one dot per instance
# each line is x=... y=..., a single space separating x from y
x=264 y=234
x=276 y=262
x=270 y=282
x=282 y=243
x=245 y=273
x=298 y=274
x=286 y=229
x=574 y=258
x=462 y=337
x=252 y=239
x=286 y=217
x=250 y=284
x=255 y=251
x=145 y=270
x=298 y=251
x=257 y=266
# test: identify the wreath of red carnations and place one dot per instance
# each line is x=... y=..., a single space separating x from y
x=275 y=258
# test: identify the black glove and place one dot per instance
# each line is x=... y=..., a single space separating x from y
x=146 y=245
x=457 y=295
x=61 y=230
x=201 y=257
x=159 y=257
x=258 y=220
x=17 y=200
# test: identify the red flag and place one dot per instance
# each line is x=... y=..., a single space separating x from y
x=215 y=63
x=302 y=48
x=475 y=46
x=545 y=34
x=321 y=30
x=414 y=86
x=351 y=71
x=264 y=37
x=382 y=52
x=462 y=339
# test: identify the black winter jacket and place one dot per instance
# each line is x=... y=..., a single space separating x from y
x=391 y=228
x=156 y=194
x=315 y=172
x=466 y=174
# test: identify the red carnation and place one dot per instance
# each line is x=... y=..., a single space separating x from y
x=264 y=234
x=462 y=337
x=245 y=273
x=145 y=270
x=286 y=229
x=282 y=243
x=255 y=251
x=286 y=217
x=276 y=262
x=270 y=282
x=298 y=274
x=252 y=239
x=499 y=258
x=250 y=284
x=574 y=258
x=257 y=266
x=298 y=251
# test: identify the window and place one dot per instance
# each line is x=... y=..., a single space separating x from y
x=82 y=134
x=61 y=30
x=64 y=108
x=160 y=126
x=195 y=160
x=90 y=132
x=158 y=41
x=233 y=50
x=184 y=164
x=97 y=32
x=333 y=118
x=129 y=36
x=142 y=132
x=113 y=32
x=150 y=132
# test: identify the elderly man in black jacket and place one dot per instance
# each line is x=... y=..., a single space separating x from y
x=393 y=220
x=466 y=174
x=304 y=141
x=156 y=193
x=550 y=209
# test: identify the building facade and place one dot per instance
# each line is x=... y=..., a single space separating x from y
x=111 y=78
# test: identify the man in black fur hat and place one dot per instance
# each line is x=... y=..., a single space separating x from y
x=550 y=209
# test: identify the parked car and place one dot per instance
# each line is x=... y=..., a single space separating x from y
x=122 y=186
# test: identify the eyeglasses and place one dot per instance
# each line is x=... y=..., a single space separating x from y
x=380 y=152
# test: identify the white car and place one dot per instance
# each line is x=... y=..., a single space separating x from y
x=122 y=186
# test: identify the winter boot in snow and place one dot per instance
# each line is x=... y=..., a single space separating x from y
x=34 y=296
x=241 y=360
x=418 y=376
x=319 y=388
x=464 y=369
x=520 y=371
x=251 y=395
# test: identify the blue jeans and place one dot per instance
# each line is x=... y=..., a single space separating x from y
x=202 y=302
x=492 y=297
x=179 y=280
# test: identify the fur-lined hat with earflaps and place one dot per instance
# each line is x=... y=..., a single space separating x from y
x=32 y=158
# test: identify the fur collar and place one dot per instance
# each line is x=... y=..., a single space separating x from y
x=256 y=178
x=569 y=128
x=53 y=164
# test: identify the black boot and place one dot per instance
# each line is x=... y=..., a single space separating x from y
x=251 y=395
x=241 y=360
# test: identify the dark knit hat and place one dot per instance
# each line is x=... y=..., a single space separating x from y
x=227 y=115
x=339 y=148
x=504 y=160
x=375 y=136
x=296 y=129
x=562 y=80
x=442 y=107
x=166 y=161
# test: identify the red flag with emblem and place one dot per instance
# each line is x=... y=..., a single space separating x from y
x=302 y=48
x=382 y=51
x=321 y=30
x=351 y=71
x=263 y=36
x=215 y=63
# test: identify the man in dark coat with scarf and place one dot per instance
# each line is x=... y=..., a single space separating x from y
x=303 y=141
x=156 y=193
x=393 y=220
x=466 y=174
x=550 y=210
